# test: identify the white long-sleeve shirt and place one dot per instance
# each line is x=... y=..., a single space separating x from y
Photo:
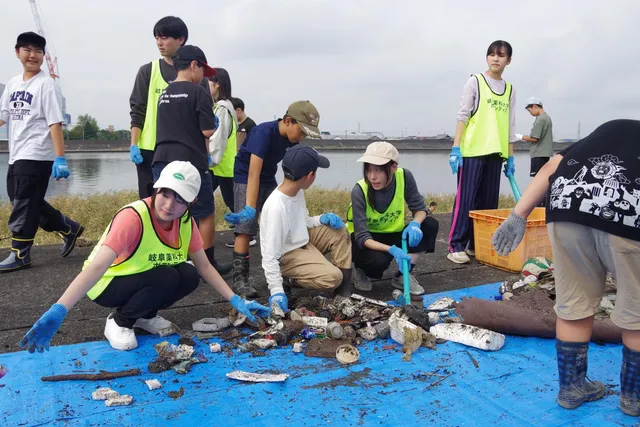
x=284 y=226
x=218 y=142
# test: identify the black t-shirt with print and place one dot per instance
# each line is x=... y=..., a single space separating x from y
x=184 y=111
x=246 y=126
x=597 y=183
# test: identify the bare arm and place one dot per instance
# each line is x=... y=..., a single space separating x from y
x=209 y=274
x=420 y=216
x=240 y=137
x=460 y=127
x=253 y=181
x=88 y=277
x=58 y=139
x=376 y=246
x=207 y=134
x=135 y=135
x=530 y=138
x=2 y=122
x=536 y=191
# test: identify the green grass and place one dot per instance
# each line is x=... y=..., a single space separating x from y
x=96 y=211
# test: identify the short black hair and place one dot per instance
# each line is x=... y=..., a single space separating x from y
x=31 y=39
x=171 y=26
x=237 y=103
x=498 y=45
x=433 y=204
x=223 y=79
x=181 y=64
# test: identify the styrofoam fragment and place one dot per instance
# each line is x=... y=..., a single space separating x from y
x=215 y=348
x=298 y=347
x=441 y=304
x=257 y=378
x=153 y=384
x=264 y=344
x=210 y=324
x=316 y=322
x=124 y=400
x=104 y=393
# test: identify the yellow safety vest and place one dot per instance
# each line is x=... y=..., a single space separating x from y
x=157 y=84
x=150 y=253
x=488 y=129
x=224 y=169
x=389 y=221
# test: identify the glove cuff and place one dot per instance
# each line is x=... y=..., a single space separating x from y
x=518 y=220
x=58 y=310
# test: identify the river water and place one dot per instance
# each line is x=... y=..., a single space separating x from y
x=103 y=172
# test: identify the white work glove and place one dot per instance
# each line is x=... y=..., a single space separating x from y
x=519 y=136
x=508 y=236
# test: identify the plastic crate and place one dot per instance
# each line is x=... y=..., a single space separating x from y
x=534 y=243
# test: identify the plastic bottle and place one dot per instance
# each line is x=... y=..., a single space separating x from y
x=472 y=336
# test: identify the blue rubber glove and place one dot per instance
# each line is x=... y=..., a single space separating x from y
x=510 y=167
x=243 y=306
x=44 y=329
x=455 y=159
x=60 y=168
x=210 y=160
x=414 y=233
x=135 y=155
x=280 y=298
x=241 y=217
x=332 y=220
x=399 y=256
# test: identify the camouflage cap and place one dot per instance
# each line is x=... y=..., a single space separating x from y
x=307 y=117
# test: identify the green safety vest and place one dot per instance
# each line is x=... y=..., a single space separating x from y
x=224 y=169
x=150 y=253
x=488 y=129
x=389 y=221
x=157 y=84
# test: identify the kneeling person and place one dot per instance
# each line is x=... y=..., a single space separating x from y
x=293 y=244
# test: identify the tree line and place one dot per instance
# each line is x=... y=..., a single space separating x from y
x=86 y=128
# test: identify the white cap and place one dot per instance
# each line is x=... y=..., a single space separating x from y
x=181 y=177
x=534 y=101
x=380 y=153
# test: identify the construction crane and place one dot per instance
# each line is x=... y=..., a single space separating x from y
x=50 y=56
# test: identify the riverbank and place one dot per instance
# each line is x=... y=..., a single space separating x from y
x=426 y=144
x=95 y=211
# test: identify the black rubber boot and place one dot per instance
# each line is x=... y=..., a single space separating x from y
x=630 y=382
x=20 y=256
x=575 y=387
x=346 y=287
x=223 y=268
x=360 y=280
x=70 y=236
x=241 y=283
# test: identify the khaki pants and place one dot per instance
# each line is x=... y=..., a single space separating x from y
x=308 y=265
x=582 y=256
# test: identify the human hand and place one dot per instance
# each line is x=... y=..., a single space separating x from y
x=510 y=167
x=508 y=236
x=332 y=220
x=40 y=335
x=241 y=217
x=399 y=255
x=134 y=154
x=455 y=159
x=519 y=136
x=280 y=298
x=244 y=306
x=414 y=234
x=60 y=168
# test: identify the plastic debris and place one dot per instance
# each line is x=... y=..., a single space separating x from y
x=441 y=304
x=3 y=371
x=257 y=378
x=368 y=333
x=166 y=331
x=316 y=322
x=215 y=348
x=153 y=384
x=264 y=344
x=472 y=336
x=369 y=300
x=104 y=393
x=347 y=354
x=383 y=329
x=335 y=331
x=398 y=326
x=298 y=347
x=123 y=400
x=173 y=353
x=210 y=324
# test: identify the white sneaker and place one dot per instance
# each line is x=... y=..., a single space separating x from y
x=470 y=252
x=252 y=243
x=458 y=257
x=120 y=338
x=154 y=325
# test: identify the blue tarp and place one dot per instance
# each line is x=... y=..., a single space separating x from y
x=516 y=385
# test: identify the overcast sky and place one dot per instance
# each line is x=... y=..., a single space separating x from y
x=388 y=66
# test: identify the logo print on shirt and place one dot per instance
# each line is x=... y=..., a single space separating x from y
x=20 y=102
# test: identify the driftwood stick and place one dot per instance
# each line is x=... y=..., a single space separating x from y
x=103 y=375
x=437 y=382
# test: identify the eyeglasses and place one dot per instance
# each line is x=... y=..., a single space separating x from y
x=168 y=193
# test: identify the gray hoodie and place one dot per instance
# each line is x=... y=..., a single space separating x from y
x=226 y=117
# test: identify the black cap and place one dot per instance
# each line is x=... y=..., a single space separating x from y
x=299 y=160
x=190 y=53
x=31 y=38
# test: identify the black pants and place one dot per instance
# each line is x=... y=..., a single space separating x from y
x=536 y=164
x=145 y=174
x=27 y=183
x=226 y=188
x=142 y=295
x=374 y=263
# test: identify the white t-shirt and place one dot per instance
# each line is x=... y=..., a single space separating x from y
x=284 y=226
x=29 y=108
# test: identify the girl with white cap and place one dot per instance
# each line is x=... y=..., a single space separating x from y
x=139 y=265
x=376 y=219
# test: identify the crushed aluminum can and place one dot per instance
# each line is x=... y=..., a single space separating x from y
x=316 y=322
x=441 y=304
x=257 y=378
x=153 y=384
x=104 y=393
x=298 y=347
x=215 y=348
x=210 y=324
x=124 y=400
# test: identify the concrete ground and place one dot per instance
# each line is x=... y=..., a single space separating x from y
x=29 y=293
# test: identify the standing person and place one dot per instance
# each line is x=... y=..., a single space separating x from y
x=170 y=33
x=541 y=136
x=185 y=123
x=587 y=243
x=254 y=178
x=138 y=267
x=222 y=145
x=245 y=123
x=484 y=133
x=32 y=106
x=293 y=244
x=375 y=219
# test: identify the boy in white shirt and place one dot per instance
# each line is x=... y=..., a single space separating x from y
x=32 y=105
x=293 y=244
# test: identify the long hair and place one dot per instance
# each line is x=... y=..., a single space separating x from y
x=370 y=191
x=153 y=206
x=223 y=79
